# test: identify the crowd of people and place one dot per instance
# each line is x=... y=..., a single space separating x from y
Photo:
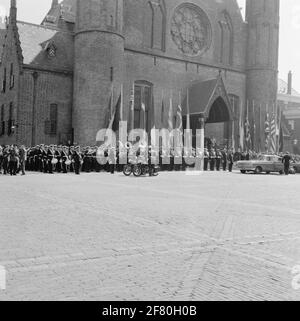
x=64 y=159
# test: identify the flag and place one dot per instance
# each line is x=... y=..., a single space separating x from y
x=247 y=130
x=132 y=107
x=267 y=132
x=273 y=134
x=241 y=128
x=170 y=118
x=188 y=116
x=162 y=116
x=179 y=126
x=254 y=126
x=281 y=140
x=179 y=115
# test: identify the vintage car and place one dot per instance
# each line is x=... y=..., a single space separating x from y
x=265 y=164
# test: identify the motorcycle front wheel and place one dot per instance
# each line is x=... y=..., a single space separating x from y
x=137 y=170
x=127 y=170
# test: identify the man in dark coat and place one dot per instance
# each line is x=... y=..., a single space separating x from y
x=286 y=160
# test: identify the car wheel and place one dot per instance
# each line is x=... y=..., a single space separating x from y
x=243 y=172
x=258 y=170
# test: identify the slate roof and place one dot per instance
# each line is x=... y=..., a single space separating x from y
x=34 y=39
x=283 y=86
x=201 y=95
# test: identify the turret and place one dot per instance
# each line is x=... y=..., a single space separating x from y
x=262 y=17
x=99 y=63
x=13 y=12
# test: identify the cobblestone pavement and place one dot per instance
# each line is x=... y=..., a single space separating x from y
x=217 y=236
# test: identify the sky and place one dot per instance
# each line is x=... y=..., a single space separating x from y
x=289 y=57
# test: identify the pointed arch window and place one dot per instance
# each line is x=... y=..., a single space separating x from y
x=155 y=24
x=226 y=47
x=143 y=102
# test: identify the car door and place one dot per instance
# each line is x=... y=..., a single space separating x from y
x=269 y=164
x=278 y=166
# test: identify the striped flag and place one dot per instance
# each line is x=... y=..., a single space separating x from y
x=267 y=132
x=273 y=134
x=247 y=130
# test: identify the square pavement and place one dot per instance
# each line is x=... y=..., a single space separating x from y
x=214 y=236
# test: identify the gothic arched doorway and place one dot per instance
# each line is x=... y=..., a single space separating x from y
x=209 y=99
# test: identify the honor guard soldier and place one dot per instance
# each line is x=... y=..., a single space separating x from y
x=212 y=159
x=224 y=159
x=206 y=159
x=50 y=157
x=230 y=160
x=77 y=159
x=218 y=159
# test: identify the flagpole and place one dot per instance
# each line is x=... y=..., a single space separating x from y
x=132 y=107
x=254 y=126
x=121 y=103
x=233 y=127
x=188 y=119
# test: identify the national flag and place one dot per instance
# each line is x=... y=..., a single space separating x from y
x=273 y=134
x=267 y=132
x=247 y=130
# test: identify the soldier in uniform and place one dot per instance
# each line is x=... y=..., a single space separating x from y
x=212 y=159
x=58 y=152
x=206 y=159
x=23 y=158
x=5 y=159
x=224 y=159
x=230 y=160
x=13 y=160
x=77 y=159
x=50 y=157
x=218 y=160
x=64 y=158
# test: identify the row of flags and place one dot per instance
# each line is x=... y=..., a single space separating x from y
x=115 y=113
x=247 y=128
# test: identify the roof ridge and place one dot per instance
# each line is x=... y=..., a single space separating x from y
x=45 y=27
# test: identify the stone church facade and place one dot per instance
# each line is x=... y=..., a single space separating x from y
x=60 y=79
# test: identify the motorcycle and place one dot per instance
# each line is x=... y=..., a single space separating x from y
x=144 y=169
x=140 y=170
